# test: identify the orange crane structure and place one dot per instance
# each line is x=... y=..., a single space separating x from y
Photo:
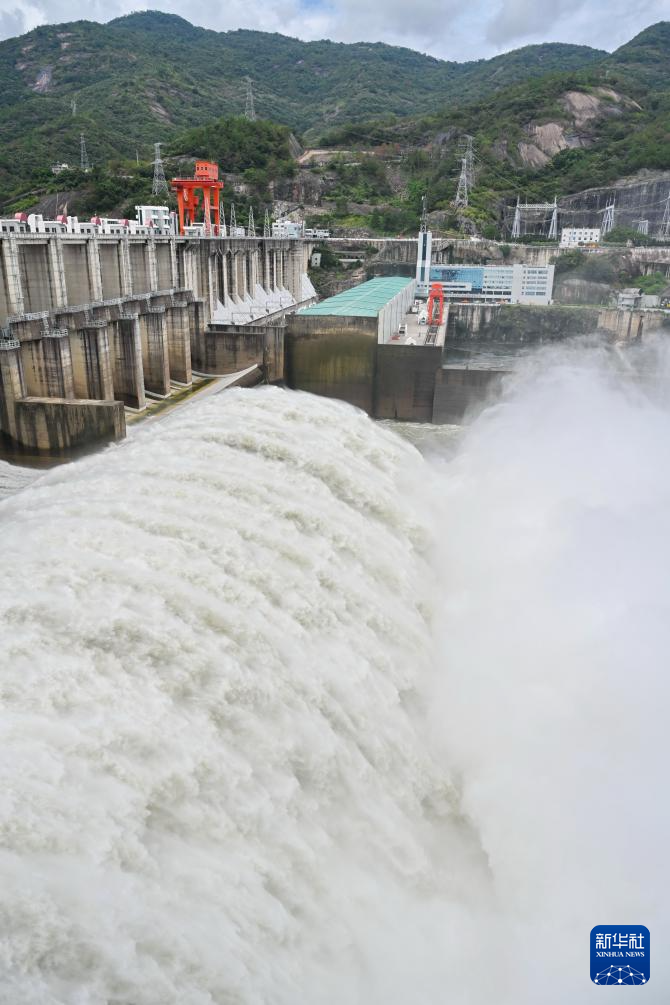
x=206 y=182
x=435 y=309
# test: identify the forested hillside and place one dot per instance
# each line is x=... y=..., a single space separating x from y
x=545 y=120
x=148 y=76
x=549 y=136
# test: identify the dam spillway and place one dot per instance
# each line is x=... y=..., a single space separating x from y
x=281 y=699
x=93 y=323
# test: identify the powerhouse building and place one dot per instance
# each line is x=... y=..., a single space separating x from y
x=495 y=284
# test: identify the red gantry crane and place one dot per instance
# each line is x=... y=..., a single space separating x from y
x=207 y=182
x=435 y=310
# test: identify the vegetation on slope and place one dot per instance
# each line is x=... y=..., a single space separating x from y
x=257 y=152
x=629 y=131
x=149 y=76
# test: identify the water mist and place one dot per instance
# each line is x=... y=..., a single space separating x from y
x=292 y=713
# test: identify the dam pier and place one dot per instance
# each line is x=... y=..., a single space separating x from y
x=93 y=325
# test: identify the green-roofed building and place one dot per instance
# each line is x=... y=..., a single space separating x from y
x=384 y=298
x=331 y=348
x=347 y=347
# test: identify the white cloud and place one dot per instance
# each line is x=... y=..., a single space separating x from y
x=444 y=28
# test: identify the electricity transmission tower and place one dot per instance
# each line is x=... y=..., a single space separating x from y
x=223 y=230
x=539 y=211
x=553 y=226
x=462 y=190
x=466 y=180
x=73 y=106
x=249 y=109
x=84 y=162
x=664 y=231
x=469 y=151
x=160 y=186
x=267 y=232
x=233 y=220
x=251 y=226
x=608 y=218
x=642 y=227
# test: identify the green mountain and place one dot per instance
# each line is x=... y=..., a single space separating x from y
x=149 y=76
x=558 y=134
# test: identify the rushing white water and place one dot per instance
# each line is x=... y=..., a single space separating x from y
x=13 y=478
x=291 y=714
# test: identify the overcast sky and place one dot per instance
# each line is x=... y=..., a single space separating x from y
x=449 y=29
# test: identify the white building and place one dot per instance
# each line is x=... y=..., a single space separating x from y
x=495 y=284
x=579 y=237
x=287 y=228
x=423 y=259
x=154 y=216
x=630 y=298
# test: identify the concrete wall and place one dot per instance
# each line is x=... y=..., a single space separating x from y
x=139 y=265
x=224 y=349
x=126 y=361
x=340 y=357
x=110 y=267
x=393 y=312
x=76 y=270
x=519 y=323
x=36 y=277
x=405 y=382
x=12 y=386
x=56 y=425
x=333 y=356
x=462 y=394
x=626 y=324
x=91 y=362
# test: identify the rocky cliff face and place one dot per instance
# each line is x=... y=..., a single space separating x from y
x=640 y=197
x=582 y=109
x=573 y=290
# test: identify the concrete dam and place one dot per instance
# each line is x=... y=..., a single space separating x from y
x=91 y=325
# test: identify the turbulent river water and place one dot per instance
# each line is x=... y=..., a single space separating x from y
x=294 y=712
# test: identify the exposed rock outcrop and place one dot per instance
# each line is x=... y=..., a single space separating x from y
x=642 y=196
x=582 y=108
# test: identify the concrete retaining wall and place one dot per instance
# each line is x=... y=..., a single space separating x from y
x=55 y=425
x=334 y=357
x=223 y=349
x=462 y=394
x=519 y=323
x=405 y=382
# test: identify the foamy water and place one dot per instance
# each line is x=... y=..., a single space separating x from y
x=291 y=713
x=13 y=478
